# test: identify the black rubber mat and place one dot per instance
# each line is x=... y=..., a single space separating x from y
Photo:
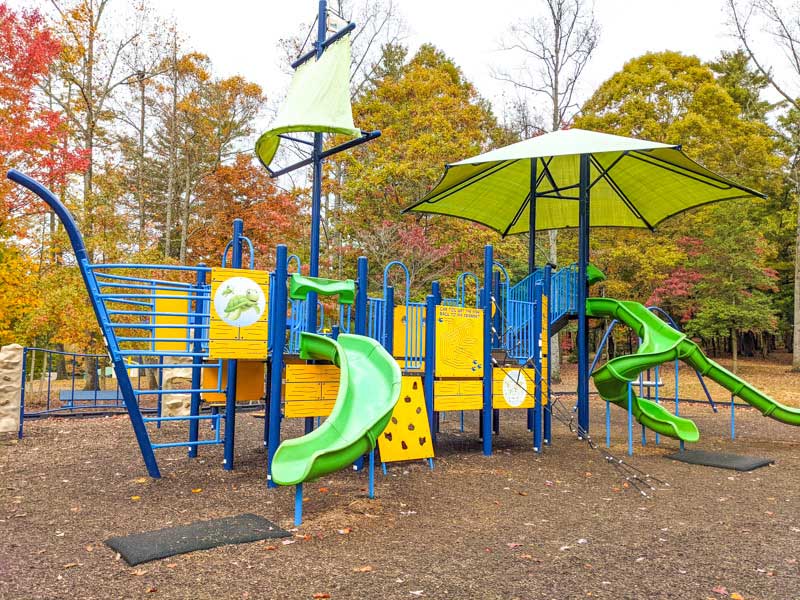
x=721 y=460
x=202 y=535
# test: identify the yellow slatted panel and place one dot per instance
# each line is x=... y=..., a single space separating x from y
x=513 y=388
x=312 y=373
x=317 y=408
x=416 y=341
x=457 y=394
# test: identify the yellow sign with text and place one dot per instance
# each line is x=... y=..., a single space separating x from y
x=459 y=342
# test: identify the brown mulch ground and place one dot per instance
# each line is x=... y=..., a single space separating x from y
x=513 y=525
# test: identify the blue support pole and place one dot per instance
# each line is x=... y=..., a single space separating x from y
x=537 y=365
x=298 y=505
x=532 y=219
x=388 y=323
x=677 y=397
x=583 y=325
x=658 y=395
x=548 y=415
x=278 y=296
x=197 y=347
x=430 y=360
x=486 y=425
x=316 y=185
x=230 y=393
x=630 y=419
x=372 y=474
x=361 y=296
x=733 y=418
x=608 y=424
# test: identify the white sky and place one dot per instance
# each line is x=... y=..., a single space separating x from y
x=241 y=36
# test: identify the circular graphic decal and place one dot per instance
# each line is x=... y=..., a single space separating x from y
x=239 y=301
x=515 y=388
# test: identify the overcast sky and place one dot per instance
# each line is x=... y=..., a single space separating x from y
x=241 y=36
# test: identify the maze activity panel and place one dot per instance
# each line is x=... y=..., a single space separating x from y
x=459 y=342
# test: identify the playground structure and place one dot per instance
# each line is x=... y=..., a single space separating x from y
x=380 y=369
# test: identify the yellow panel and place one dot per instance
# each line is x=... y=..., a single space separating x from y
x=241 y=332
x=315 y=408
x=446 y=388
x=416 y=342
x=302 y=391
x=470 y=387
x=444 y=403
x=514 y=388
x=330 y=390
x=303 y=373
x=249 y=381
x=171 y=305
x=459 y=342
x=407 y=436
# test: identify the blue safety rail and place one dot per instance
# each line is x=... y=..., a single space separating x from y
x=376 y=319
x=414 y=343
x=563 y=301
x=462 y=297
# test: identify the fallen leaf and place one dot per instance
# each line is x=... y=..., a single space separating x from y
x=287 y=542
x=722 y=591
x=71 y=565
x=364 y=569
x=197 y=490
x=89 y=548
x=344 y=531
x=736 y=596
x=152 y=590
x=135 y=498
x=139 y=572
x=271 y=548
x=323 y=490
x=417 y=592
x=523 y=493
x=320 y=595
x=171 y=565
x=141 y=480
x=513 y=545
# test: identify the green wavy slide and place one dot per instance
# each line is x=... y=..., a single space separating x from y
x=369 y=387
x=661 y=343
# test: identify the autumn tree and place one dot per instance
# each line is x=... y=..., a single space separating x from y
x=673 y=98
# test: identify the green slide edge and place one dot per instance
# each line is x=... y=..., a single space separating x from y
x=661 y=343
x=369 y=387
x=300 y=286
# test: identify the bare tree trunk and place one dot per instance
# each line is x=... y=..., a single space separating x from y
x=796 y=328
x=187 y=194
x=173 y=151
x=734 y=350
x=140 y=165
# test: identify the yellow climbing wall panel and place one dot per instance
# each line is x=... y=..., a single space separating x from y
x=408 y=435
x=513 y=388
x=310 y=390
x=457 y=394
x=239 y=300
x=249 y=381
x=459 y=342
x=171 y=305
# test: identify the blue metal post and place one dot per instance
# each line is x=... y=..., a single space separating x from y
x=388 y=323
x=372 y=474
x=583 y=325
x=677 y=397
x=298 y=505
x=361 y=296
x=430 y=359
x=548 y=416
x=537 y=366
x=608 y=424
x=22 y=394
x=630 y=419
x=316 y=185
x=657 y=382
x=486 y=425
x=278 y=296
x=230 y=393
x=733 y=418
x=197 y=347
x=532 y=219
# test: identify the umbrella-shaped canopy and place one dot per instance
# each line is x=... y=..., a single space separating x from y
x=632 y=183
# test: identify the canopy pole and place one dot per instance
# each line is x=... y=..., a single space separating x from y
x=316 y=188
x=532 y=220
x=583 y=329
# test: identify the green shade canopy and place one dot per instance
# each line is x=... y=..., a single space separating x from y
x=318 y=101
x=633 y=183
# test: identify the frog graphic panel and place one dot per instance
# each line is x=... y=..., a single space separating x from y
x=238 y=313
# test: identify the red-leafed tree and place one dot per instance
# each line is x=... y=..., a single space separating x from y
x=243 y=190
x=33 y=138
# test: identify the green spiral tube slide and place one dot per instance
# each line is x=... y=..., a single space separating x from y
x=661 y=343
x=369 y=387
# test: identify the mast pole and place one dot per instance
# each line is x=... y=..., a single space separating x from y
x=316 y=187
